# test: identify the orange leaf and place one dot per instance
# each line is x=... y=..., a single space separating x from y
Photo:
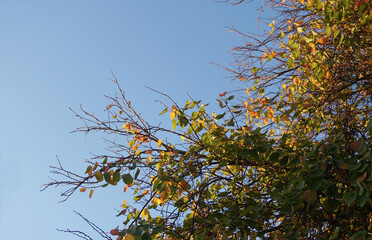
x=131 y=184
x=90 y=193
x=222 y=94
x=361 y=178
x=296 y=80
x=328 y=75
x=126 y=188
x=90 y=172
x=135 y=147
x=145 y=192
x=183 y=184
x=323 y=40
x=83 y=189
x=163 y=195
x=356 y=146
x=343 y=166
x=95 y=166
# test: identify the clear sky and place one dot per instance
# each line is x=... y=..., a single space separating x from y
x=58 y=54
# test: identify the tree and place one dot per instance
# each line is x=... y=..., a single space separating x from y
x=288 y=157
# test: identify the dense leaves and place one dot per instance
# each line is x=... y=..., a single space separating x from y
x=289 y=157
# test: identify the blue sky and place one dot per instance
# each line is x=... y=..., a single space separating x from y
x=58 y=54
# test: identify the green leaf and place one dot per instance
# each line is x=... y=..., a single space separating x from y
x=254 y=70
x=208 y=194
x=137 y=173
x=361 y=200
x=127 y=179
x=137 y=198
x=369 y=125
x=332 y=148
x=107 y=177
x=88 y=169
x=290 y=63
x=350 y=197
x=230 y=98
x=99 y=176
x=261 y=91
x=219 y=116
x=116 y=176
x=146 y=236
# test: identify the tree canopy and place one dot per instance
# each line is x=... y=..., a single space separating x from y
x=288 y=156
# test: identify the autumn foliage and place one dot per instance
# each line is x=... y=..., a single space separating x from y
x=287 y=157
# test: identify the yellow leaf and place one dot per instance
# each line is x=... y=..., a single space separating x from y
x=129 y=237
x=182 y=138
x=159 y=142
x=148 y=160
x=272 y=24
x=272 y=131
x=172 y=115
x=90 y=193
